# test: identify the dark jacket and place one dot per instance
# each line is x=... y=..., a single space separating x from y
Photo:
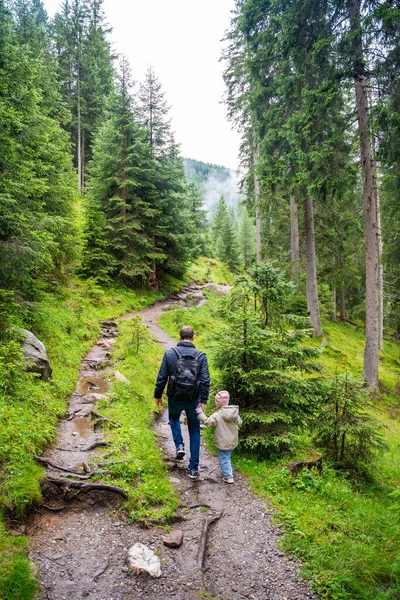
x=168 y=366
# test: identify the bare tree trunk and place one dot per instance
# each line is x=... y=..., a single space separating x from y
x=294 y=238
x=342 y=303
x=83 y=162
x=371 y=349
x=257 y=201
x=311 y=267
x=79 y=135
x=334 y=304
x=380 y=268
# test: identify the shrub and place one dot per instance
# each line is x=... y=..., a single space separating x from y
x=268 y=372
x=349 y=435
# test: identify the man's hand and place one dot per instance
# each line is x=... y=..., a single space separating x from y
x=159 y=402
x=203 y=405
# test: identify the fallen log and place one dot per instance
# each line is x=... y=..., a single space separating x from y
x=50 y=463
x=203 y=539
x=88 y=487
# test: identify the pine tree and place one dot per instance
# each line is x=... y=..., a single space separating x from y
x=36 y=193
x=266 y=373
x=86 y=72
x=155 y=112
x=121 y=195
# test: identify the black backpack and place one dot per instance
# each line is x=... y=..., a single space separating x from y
x=184 y=384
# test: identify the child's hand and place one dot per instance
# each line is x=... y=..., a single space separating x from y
x=198 y=409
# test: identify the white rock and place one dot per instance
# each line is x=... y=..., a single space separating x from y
x=141 y=558
x=120 y=377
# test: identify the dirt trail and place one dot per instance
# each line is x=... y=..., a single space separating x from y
x=73 y=544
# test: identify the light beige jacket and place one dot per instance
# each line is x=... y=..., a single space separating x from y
x=226 y=421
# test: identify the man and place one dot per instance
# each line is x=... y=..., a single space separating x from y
x=184 y=366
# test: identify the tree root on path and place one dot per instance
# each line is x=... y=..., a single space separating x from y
x=50 y=463
x=102 y=418
x=101 y=571
x=87 y=487
x=196 y=506
x=96 y=445
x=203 y=539
x=109 y=463
x=82 y=477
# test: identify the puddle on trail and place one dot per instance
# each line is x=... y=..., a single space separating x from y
x=83 y=427
x=87 y=385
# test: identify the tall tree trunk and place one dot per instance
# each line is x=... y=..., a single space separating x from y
x=342 y=303
x=380 y=268
x=334 y=308
x=294 y=238
x=311 y=267
x=79 y=135
x=371 y=349
x=257 y=201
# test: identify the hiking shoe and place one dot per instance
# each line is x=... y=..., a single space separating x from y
x=229 y=480
x=193 y=474
x=180 y=453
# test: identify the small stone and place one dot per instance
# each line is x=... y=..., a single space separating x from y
x=119 y=377
x=174 y=538
x=141 y=558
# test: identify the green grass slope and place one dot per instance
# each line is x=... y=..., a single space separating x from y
x=346 y=533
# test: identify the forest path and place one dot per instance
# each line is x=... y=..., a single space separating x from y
x=71 y=547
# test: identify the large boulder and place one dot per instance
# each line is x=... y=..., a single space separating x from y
x=217 y=289
x=36 y=355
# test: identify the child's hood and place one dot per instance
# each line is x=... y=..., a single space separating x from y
x=229 y=413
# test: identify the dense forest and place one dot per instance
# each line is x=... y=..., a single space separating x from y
x=100 y=215
x=312 y=87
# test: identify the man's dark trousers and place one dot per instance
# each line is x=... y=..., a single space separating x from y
x=175 y=408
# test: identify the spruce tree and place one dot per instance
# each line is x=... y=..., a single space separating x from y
x=121 y=195
x=36 y=193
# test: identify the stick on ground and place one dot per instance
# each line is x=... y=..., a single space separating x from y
x=203 y=539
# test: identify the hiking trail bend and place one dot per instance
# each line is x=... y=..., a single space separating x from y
x=79 y=547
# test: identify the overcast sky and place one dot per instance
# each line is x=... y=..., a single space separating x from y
x=180 y=39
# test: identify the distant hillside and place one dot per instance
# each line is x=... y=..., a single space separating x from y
x=214 y=181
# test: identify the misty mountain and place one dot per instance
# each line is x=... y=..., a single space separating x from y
x=214 y=181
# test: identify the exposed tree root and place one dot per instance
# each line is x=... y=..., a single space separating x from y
x=203 y=539
x=109 y=463
x=87 y=487
x=102 y=418
x=101 y=571
x=50 y=463
x=97 y=445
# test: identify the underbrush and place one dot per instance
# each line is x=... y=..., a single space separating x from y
x=344 y=529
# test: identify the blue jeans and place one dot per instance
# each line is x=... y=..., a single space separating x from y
x=225 y=462
x=175 y=409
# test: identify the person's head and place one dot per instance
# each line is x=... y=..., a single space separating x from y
x=186 y=333
x=222 y=399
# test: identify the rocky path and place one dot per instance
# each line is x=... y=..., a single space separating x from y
x=79 y=547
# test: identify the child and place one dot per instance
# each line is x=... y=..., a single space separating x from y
x=226 y=421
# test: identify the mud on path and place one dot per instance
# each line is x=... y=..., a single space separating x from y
x=79 y=543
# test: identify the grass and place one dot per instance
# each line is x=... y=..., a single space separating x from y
x=68 y=324
x=345 y=352
x=144 y=474
x=346 y=533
